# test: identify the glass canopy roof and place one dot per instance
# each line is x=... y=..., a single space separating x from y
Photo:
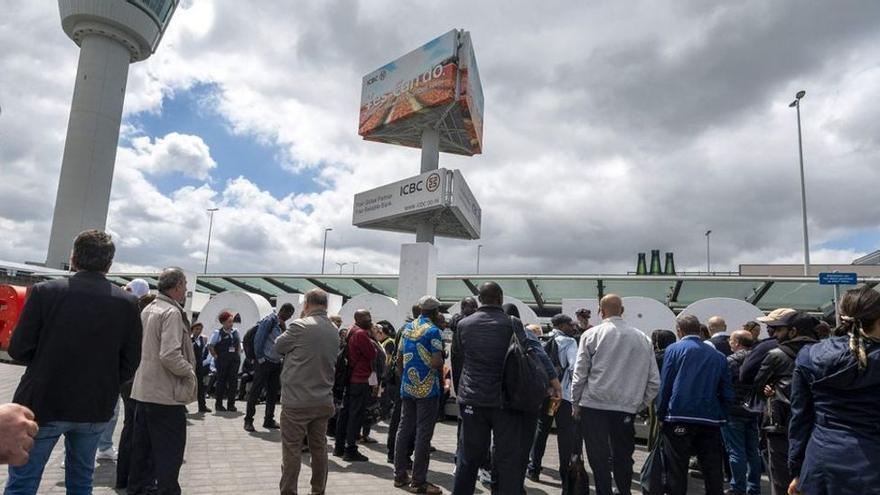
x=543 y=292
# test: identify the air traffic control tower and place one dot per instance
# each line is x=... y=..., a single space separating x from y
x=111 y=34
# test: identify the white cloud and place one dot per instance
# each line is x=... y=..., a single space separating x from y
x=181 y=153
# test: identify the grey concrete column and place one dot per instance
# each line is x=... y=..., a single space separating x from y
x=430 y=161
x=90 y=149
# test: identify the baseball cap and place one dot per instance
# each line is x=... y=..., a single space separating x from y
x=778 y=317
x=139 y=287
x=428 y=303
x=560 y=319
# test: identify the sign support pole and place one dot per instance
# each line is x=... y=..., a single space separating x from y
x=430 y=161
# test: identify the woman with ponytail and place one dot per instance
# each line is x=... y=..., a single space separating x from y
x=835 y=432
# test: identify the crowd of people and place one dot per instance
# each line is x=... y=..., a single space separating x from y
x=724 y=406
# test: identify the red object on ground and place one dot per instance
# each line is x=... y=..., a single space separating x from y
x=12 y=299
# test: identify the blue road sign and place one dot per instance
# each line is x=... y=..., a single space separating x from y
x=829 y=278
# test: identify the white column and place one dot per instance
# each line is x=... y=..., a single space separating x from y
x=418 y=275
x=90 y=149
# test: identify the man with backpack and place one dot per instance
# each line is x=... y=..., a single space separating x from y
x=562 y=349
x=267 y=375
x=793 y=332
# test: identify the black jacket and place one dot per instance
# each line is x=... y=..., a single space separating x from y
x=776 y=371
x=752 y=364
x=721 y=342
x=479 y=347
x=742 y=391
x=80 y=338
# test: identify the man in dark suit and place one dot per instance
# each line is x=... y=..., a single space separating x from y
x=200 y=349
x=80 y=338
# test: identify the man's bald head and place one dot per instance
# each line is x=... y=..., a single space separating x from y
x=491 y=294
x=469 y=306
x=611 y=305
x=741 y=339
x=716 y=324
x=363 y=319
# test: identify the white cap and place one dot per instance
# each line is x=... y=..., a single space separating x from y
x=139 y=287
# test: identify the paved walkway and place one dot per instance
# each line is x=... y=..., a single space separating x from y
x=222 y=458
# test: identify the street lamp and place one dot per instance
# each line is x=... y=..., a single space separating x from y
x=708 y=264
x=479 y=248
x=797 y=105
x=340 y=265
x=354 y=266
x=324 y=254
x=210 y=228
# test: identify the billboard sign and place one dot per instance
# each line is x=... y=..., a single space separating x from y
x=421 y=79
x=440 y=197
x=464 y=205
x=436 y=83
x=415 y=195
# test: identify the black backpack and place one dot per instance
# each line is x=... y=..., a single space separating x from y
x=247 y=342
x=525 y=381
x=342 y=375
x=551 y=347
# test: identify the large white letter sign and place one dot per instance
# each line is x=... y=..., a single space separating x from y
x=734 y=311
x=251 y=307
x=380 y=308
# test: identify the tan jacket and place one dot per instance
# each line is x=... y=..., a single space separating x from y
x=167 y=371
x=309 y=347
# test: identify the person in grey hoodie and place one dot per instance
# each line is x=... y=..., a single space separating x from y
x=309 y=347
x=615 y=376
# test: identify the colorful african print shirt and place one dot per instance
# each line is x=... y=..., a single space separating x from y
x=421 y=338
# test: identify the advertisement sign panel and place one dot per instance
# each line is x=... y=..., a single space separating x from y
x=421 y=79
x=437 y=86
x=411 y=196
x=471 y=93
x=464 y=205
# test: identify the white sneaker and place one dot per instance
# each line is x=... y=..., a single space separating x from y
x=106 y=455
x=485 y=476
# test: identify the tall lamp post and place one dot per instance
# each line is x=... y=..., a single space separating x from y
x=210 y=228
x=340 y=265
x=797 y=105
x=479 y=248
x=354 y=265
x=708 y=259
x=324 y=253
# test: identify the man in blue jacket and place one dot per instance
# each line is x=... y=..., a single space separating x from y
x=695 y=394
x=268 y=371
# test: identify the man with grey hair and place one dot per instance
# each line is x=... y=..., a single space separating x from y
x=163 y=385
x=308 y=347
x=695 y=394
x=719 y=337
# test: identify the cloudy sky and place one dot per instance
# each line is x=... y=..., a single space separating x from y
x=610 y=128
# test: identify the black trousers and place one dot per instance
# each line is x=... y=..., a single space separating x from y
x=351 y=418
x=417 y=420
x=394 y=424
x=478 y=426
x=568 y=437
x=267 y=377
x=201 y=388
x=682 y=440
x=123 y=461
x=227 y=380
x=777 y=453
x=610 y=438
x=157 y=451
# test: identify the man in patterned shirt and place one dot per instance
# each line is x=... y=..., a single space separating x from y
x=419 y=361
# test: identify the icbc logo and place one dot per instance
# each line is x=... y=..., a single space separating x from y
x=432 y=182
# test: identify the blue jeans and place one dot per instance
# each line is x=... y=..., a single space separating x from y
x=106 y=441
x=80 y=445
x=741 y=439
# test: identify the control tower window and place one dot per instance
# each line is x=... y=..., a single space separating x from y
x=159 y=9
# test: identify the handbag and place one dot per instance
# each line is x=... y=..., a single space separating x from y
x=525 y=381
x=653 y=474
x=575 y=480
